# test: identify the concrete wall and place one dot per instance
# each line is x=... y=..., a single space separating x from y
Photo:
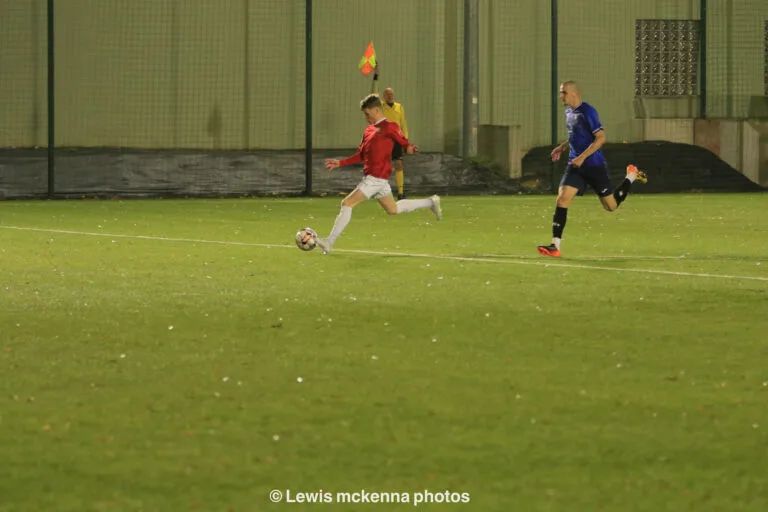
x=230 y=73
x=735 y=58
x=742 y=144
x=515 y=67
x=225 y=73
x=23 y=73
x=597 y=48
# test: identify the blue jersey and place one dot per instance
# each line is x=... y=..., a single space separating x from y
x=583 y=123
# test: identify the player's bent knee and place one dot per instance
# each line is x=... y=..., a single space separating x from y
x=563 y=200
x=393 y=210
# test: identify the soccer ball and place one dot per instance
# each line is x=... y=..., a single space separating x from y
x=306 y=239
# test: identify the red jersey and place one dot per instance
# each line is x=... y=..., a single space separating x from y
x=375 y=150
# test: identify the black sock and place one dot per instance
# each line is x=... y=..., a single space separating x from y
x=622 y=191
x=558 y=222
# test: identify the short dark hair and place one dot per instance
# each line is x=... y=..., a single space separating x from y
x=370 y=101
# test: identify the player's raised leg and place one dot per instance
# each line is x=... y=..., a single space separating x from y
x=342 y=219
x=409 y=205
x=565 y=195
x=613 y=201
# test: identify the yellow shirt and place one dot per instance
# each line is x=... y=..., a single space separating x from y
x=395 y=113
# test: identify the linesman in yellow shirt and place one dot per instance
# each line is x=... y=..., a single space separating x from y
x=394 y=112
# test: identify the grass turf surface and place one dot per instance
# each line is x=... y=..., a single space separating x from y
x=156 y=375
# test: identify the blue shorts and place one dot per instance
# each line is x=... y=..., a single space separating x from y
x=595 y=176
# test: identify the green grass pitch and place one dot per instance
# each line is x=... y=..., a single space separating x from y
x=174 y=355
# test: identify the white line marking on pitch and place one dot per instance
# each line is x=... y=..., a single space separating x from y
x=599 y=258
x=401 y=254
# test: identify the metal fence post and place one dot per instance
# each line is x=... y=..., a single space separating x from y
x=703 y=58
x=308 y=111
x=51 y=105
x=471 y=71
x=554 y=85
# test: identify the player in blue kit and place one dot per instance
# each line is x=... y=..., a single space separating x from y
x=586 y=164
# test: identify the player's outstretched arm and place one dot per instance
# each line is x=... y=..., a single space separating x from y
x=558 y=151
x=593 y=120
x=591 y=149
x=397 y=135
x=333 y=163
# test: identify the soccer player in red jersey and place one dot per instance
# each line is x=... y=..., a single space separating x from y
x=375 y=152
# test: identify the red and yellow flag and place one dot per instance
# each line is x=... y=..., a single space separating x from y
x=368 y=62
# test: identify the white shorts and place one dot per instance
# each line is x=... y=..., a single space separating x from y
x=374 y=187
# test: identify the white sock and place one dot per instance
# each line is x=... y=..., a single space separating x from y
x=408 y=205
x=631 y=177
x=556 y=241
x=345 y=215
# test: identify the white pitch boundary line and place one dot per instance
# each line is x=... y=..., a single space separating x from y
x=401 y=254
x=620 y=257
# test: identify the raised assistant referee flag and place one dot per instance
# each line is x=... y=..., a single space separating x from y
x=368 y=62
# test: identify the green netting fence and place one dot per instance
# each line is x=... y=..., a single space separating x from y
x=202 y=98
